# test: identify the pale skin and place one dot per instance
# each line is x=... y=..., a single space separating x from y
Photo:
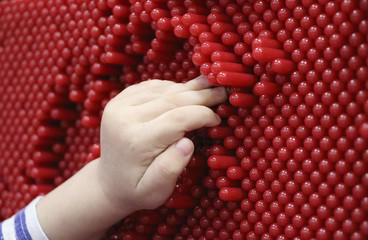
x=143 y=152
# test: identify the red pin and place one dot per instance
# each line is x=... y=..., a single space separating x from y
x=236 y=79
x=242 y=99
x=222 y=162
x=180 y=201
x=220 y=66
x=232 y=194
x=283 y=66
x=265 y=54
x=266 y=88
x=265 y=42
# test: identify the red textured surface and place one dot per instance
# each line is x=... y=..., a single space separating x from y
x=290 y=159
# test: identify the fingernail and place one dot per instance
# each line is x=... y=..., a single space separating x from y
x=184 y=146
x=202 y=79
x=218 y=90
x=218 y=118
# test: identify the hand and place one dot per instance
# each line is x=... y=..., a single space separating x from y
x=143 y=148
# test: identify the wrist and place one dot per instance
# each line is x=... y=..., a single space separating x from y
x=80 y=205
x=116 y=194
x=107 y=191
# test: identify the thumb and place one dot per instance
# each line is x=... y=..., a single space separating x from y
x=160 y=178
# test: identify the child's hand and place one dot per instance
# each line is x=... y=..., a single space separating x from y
x=143 y=149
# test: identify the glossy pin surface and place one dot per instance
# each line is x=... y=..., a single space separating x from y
x=231 y=194
x=236 y=79
x=219 y=66
x=191 y=18
x=120 y=58
x=180 y=201
x=265 y=42
x=283 y=66
x=242 y=99
x=219 y=132
x=265 y=88
x=209 y=47
x=224 y=56
x=221 y=162
x=265 y=54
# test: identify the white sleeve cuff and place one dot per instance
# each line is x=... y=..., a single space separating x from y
x=24 y=225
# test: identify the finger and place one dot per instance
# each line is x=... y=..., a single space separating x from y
x=140 y=98
x=172 y=87
x=152 y=89
x=164 y=171
x=144 y=88
x=197 y=83
x=205 y=97
x=172 y=125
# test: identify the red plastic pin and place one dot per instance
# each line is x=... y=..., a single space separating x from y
x=220 y=28
x=182 y=31
x=209 y=47
x=64 y=114
x=219 y=66
x=91 y=121
x=48 y=131
x=217 y=17
x=40 y=189
x=180 y=201
x=44 y=173
x=105 y=86
x=232 y=194
x=230 y=38
x=283 y=66
x=220 y=132
x=364 y=130
x=120 y=30
x=266 y=88
x=265 y=54
x=224 y=57
x=265 y=43
x=191 y=18
x=242 y=99
x=208 y=37
x=120 y=58
x=236 y=79
x=102 y=69
x=164 y=24
x=196 y=29
x=236 y=173
x=222 y=162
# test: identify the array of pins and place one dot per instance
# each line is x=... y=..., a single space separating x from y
x=290 y=159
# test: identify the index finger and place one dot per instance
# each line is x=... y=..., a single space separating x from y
x=198 y=83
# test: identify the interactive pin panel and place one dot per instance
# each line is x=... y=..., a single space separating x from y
x=289 y=160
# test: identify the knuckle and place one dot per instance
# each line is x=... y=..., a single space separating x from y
x=169 y=101
x=153 y=81
x=131 y=88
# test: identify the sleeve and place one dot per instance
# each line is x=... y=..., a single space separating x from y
x=24 y=225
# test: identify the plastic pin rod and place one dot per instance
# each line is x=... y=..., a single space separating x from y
x=265 y=54
x=222 y=162
x=236 y=79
